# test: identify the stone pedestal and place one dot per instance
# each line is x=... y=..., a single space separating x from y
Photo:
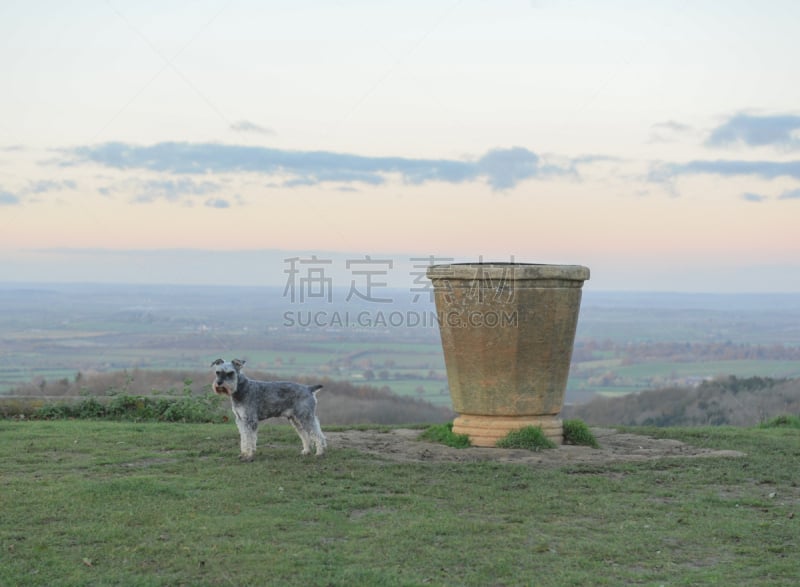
x=507 y=333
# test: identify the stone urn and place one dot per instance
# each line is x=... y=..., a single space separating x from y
x=507 y=333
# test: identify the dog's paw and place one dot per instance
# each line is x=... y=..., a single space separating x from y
x=247 y=458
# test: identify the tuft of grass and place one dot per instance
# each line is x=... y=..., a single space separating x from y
x=443 y=434
x=530 y=437
x=577 y=432
x=782 y=421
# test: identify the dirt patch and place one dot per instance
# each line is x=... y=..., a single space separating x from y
x=402 y=445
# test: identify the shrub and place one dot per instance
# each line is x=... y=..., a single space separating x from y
x=192 y=409
x=530 y=437
x=138 y=408
x=54 y=412
x=782 y=421
x=90 y=408
x=577 y=432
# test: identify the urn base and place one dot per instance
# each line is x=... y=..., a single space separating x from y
x=485 y=431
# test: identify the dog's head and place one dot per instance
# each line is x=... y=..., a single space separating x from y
x=226 y=376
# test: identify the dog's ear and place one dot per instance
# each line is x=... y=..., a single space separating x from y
x=238 y=364
x=217 y=362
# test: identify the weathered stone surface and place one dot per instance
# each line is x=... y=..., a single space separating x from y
x=507 y=333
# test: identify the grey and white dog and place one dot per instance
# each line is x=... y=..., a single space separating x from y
x=253 y=401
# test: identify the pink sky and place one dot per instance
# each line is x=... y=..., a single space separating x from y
x=659 y=147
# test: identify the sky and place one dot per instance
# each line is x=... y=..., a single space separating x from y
x=211 y=142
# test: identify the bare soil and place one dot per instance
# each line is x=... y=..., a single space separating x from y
x=403 y=445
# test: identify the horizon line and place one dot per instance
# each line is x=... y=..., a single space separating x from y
x=7 y=284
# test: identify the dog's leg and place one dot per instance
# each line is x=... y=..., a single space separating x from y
x=252 y=437
x=302 y=433
x=242 y=436
x=248 y=437
x=318 y=436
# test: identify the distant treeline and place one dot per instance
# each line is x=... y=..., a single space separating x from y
x=340 y=402
x=723 y=401
x=679 y=352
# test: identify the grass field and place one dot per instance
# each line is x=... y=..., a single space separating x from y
x=103 y=503
x=665 y=373
x=740 y=368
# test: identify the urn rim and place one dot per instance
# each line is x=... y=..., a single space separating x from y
x=508 y=271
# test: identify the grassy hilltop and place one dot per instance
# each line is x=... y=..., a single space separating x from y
x=110 y=503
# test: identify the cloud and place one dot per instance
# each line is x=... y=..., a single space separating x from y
x=790 y=195
x=36 y=188
x=726 y=168
x=8 y=199
x=247 y=126
x=44 y=186
x=668 y=132
x=504 y=168
x=589 y=159
x=758 y=131
x=172 y=190
x=217 y=203
x=672 y=126
x=750 y=197
x=500 y=168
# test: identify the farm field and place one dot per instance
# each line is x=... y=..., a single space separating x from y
x=626 y=342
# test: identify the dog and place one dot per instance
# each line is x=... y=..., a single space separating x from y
x=253 y=401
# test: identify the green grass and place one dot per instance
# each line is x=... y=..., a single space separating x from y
x=107 y=503
x=530 y=438
x=443 y=434
x=577 y=432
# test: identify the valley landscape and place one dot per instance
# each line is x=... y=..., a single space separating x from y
x=56 y=338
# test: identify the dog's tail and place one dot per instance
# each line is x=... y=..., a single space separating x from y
x=314 y=389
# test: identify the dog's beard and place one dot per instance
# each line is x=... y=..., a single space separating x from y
x=221 y=389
